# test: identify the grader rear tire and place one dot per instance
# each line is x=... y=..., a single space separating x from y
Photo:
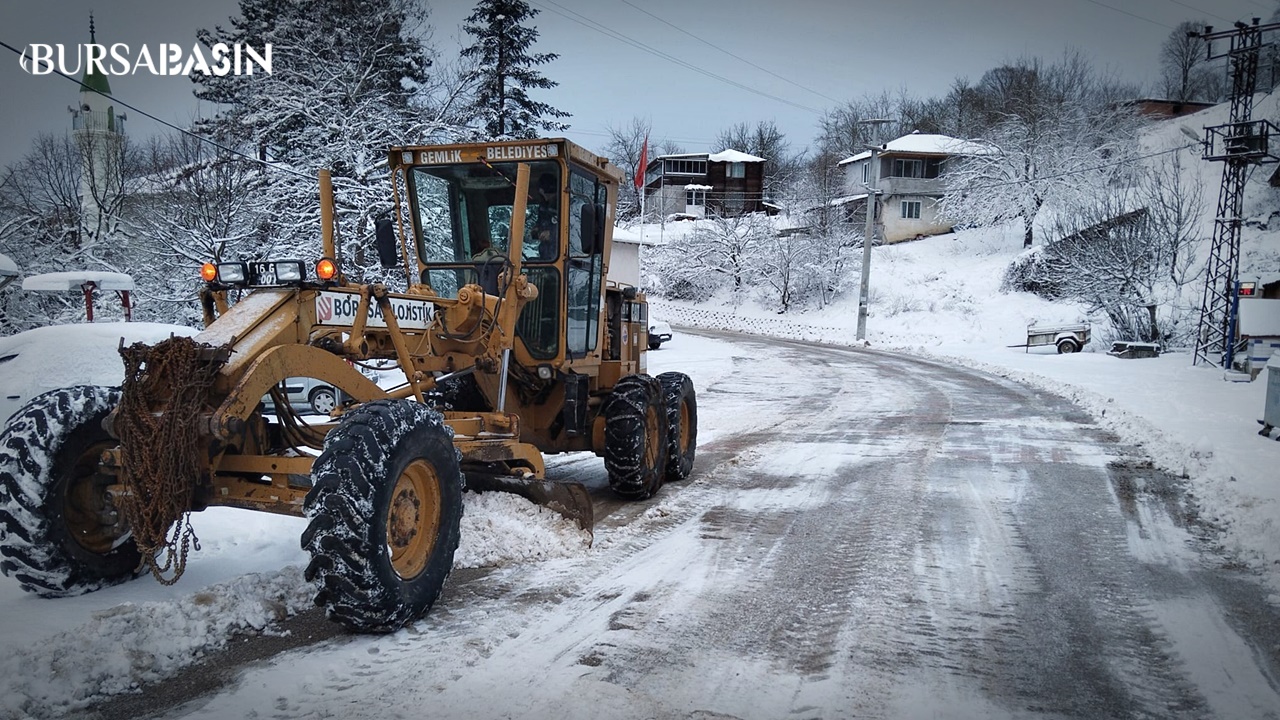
x=635 y=437
x=385 y=509
x=682 y=424
x=57 y=538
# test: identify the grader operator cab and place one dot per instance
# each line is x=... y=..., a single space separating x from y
x=513 y=343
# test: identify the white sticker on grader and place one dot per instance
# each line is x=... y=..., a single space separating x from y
x=333 y=308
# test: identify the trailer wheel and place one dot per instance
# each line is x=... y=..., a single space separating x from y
x=682 y=423
x=1066 y=346
x=385 y=509
x=635 y=437
x=61 y=534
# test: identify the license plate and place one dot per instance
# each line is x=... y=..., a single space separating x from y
x=262 y=273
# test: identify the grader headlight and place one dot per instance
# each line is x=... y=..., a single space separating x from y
x=232 y=273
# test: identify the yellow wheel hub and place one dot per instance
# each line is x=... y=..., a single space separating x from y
x=85 y=506
x=655 y=444
x=413 y=520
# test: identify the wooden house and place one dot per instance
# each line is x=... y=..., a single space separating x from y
x=726 y=183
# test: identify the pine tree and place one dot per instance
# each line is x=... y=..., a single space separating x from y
x=508 y=70
x=349 y=80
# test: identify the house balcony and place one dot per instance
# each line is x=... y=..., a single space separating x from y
x=913 y=186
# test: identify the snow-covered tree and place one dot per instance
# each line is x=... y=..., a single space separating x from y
x=1057 y=141
x=348 y=82
x=1128 y=254
x=813 y=212
x=721 y=252
x=197 y=206
x=508 y=70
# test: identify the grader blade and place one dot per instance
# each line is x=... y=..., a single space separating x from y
x=571 y=500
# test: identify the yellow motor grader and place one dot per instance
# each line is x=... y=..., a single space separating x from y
x=512 y=341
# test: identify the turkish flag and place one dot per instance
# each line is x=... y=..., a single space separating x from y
x=644 y=161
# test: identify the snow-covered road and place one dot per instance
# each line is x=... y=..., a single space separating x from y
x=865 y=535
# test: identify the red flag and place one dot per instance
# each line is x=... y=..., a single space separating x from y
x=644 y=161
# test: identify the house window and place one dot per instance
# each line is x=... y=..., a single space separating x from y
x=911 y=209
x=681 y=166
x=695 y=196
x=737 y=170
x=907 y=168
x=866 y=173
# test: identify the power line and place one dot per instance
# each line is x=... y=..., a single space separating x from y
x=605 y=30
x=1126 y=12
x=167 y=124
x=601 y=133
x=1118 y=163
x=704 y=41
x=1203 y=12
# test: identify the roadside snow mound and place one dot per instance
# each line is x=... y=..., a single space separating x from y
x=503 y=529
x=129 y=645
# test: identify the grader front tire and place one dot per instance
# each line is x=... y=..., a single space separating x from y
x=385 y=510
x=61 y=536
x=635 y=437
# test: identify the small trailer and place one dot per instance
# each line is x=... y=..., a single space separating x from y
x=1067 y=338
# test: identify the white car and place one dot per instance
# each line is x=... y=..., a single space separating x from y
x=57 y=356
x=659 y=332
x=307 y=394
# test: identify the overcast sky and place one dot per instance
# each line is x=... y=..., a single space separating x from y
x=811 y=54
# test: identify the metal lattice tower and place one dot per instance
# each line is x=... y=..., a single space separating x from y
x=1239 y=144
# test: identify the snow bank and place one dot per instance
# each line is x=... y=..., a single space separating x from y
x=123 y=647
x=504 y=529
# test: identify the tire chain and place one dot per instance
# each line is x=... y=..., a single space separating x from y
x=161 y=447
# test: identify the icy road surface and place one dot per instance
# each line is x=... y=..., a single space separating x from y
x=865 y=535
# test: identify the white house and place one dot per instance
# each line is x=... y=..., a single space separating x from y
x=912 y=181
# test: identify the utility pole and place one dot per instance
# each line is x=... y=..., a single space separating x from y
x=1239 y=144
x=868 y=235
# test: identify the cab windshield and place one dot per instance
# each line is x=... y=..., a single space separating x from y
x=462 y=217
x=463 y=214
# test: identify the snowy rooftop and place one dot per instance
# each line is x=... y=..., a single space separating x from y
x=733 y=156
x=72 y=280
x=623 y=235
x=846 y=199
x=722 y=156
x=927 y=143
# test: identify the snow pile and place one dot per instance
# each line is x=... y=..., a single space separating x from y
x=500 y=529
x=123 y=647
x=58 y=356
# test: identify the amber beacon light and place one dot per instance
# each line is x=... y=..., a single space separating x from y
x=326 y=269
